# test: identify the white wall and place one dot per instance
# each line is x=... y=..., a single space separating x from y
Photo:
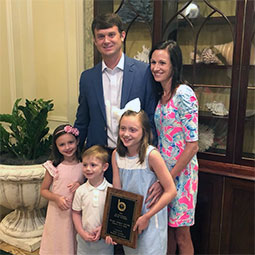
x=43 y=52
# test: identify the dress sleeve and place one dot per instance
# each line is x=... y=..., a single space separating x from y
x=50 y=168
x=188 y=110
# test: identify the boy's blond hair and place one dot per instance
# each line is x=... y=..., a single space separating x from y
x=98 y=152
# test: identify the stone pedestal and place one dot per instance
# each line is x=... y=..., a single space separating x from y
x=27 y=244
x=20 y=191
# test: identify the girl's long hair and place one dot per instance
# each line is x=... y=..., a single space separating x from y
x=56 y=156
x=146 y=137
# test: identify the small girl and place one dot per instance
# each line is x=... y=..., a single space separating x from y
x=136 y=166
x=63 y=176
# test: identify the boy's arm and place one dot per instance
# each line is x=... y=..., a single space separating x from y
x=76 y=215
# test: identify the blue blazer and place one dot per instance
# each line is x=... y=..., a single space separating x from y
x=91 y=114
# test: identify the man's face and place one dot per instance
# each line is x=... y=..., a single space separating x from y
x=109 y=41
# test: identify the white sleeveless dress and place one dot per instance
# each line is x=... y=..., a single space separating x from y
x=138 y=178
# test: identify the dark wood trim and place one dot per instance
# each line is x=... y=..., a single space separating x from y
x=244 y=80
x=157 y=22
x=237 y=232
x=101 y=6
x=234 y=94
x=206 y=231
x=227 y=169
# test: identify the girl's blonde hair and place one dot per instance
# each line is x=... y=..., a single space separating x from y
x=146 y=137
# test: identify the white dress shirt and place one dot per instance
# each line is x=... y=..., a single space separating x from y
x=112 y=85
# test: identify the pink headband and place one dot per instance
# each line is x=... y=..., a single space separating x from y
x=70 y=130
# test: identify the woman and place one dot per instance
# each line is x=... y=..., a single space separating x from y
x=176 y=119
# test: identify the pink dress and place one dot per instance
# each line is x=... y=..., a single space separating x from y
x=59 y=233
x=177 y=123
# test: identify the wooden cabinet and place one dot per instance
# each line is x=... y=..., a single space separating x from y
x=218 y=46
x=224 y=215
x=217 y=41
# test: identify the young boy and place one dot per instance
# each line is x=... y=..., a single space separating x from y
x=88 y=203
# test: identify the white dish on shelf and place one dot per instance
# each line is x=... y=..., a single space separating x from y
x=249 y=112
x=217 y=108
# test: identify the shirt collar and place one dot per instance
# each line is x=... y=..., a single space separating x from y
x=101 y=187
x=120 y=65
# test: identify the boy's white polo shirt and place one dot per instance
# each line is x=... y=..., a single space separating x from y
x=90 y=200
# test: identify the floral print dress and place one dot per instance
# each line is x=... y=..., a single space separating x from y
x=177 y=123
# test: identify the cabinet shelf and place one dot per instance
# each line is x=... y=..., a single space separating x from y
x=207 y=66
x=205 y=114
x=211 y=21
x=196 y=85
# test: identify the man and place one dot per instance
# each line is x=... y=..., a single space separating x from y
x=110 y=85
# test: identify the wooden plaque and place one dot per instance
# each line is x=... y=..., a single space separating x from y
x=121 y=212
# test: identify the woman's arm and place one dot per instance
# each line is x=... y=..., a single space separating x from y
x=188 y=153
x=158 y=165
x=62 y=202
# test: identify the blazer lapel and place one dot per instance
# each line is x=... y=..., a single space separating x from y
x=98 y=86
x=128 y=78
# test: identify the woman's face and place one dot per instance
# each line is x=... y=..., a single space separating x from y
x=161 y=66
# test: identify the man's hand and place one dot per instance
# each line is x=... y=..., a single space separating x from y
x=154 y=193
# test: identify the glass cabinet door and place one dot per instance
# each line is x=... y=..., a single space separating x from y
x=249 y=127
x=137 y=17
x=205 y=32
x=247 y=93
x=215 y=37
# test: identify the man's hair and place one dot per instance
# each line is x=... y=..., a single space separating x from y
x=98 y=152
x=107 y=20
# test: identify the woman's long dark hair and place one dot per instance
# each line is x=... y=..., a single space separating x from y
x=175 y=55
x=56 y=156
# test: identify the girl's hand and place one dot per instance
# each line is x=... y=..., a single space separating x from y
x=109 y=240
x=141 y=224
x=73 y=186
x=63 y=203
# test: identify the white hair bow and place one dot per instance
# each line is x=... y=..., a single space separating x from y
x=133 y=105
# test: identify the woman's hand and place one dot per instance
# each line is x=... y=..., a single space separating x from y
x=154 y=193
x=141 y=224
